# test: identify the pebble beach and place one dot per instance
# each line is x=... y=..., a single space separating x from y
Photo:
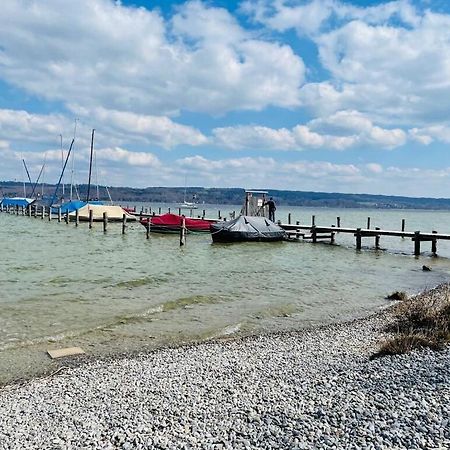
x=311 y=389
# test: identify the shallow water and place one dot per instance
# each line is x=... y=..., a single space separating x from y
x=64 y=286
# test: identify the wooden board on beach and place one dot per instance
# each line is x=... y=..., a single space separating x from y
x=61 y=352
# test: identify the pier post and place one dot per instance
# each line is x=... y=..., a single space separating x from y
x=377 y=239
x=179 y=211
x=29 y=211
x=59 y=214
x=1 y=207
x=416 y=243
x=35 y=211
x=313 y=221
x=105 y=221
x=124 y=223
x=332 y=236
x=358 y=239
x=66 y=217
x=91 y=218
x=403 y=224
x=183 y=231
x=159 y=210
x=219 y=214
x=23 y=210
x=368 y=223
x=77 y=217
x=147 y=228
x=289 y=218
x=314 y=234
x=338 y=222
x=434 y=245
x=43 y=212
x=49 y=213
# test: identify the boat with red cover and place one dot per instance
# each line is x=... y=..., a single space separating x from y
x=171 y=223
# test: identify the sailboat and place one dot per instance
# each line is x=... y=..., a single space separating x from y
x=186 y=204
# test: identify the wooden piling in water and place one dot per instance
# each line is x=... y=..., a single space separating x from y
x=66 y=217
x=29 y=211
x=124 y=223
x=313 y=234
x=403 y=224
x=59 y=214
x=338 y=222
x=179 y=211
x=368 y=223
x=377 y=239
x=50 y=214
x=416 y=239
x=77 y=217
x=313 y=221
x=147 y=228
x=358 y=239
x=183 y=232
x=91 y=218
x=105 y=221
x=159 y=210
x=434 y=244
x=289 y=218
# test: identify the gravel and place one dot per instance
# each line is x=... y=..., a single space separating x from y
x=313 y=389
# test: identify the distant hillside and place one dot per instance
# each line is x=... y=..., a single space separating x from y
x=235 y=196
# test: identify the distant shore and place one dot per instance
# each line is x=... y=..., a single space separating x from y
x=315 y=388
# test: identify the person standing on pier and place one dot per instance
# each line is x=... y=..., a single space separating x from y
x=271 y=204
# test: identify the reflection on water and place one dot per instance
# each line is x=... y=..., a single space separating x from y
x=67 y=286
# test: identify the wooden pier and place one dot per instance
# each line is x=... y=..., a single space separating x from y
x=320 y=233
x=295 y=232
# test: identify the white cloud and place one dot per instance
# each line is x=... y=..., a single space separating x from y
x=92 y=52
x=340 y=131
x=312 y=16
x=374 y=168
x=155 y=130
x=254 y=137
x=141 y=159
x=390 y=62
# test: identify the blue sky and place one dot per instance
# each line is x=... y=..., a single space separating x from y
x=325 y=95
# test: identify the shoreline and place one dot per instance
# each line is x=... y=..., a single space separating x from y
x=312 y=388
x=79 y=361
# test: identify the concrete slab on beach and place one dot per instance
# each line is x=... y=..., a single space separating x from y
x=62 y=352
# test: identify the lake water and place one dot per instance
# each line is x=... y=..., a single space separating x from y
x=64 y=286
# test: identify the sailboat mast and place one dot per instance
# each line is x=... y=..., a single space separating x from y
x=73 y=161
x=90 y=165
x=62 y=162
x=28 y=174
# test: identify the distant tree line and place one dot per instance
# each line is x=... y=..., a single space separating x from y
x=235 y=196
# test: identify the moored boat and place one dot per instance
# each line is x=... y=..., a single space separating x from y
x=172 y=223
x=247 y=228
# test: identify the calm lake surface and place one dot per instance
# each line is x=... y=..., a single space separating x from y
x=63 y=286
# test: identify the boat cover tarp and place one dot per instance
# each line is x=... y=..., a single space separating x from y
x=17 y=201
x=172 y=222
x=114 y=213
x=73 y=205
x=247 y=228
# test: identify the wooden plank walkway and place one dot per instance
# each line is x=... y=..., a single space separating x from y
x=316 y=233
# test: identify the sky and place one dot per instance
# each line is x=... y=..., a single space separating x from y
x=312 y=95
